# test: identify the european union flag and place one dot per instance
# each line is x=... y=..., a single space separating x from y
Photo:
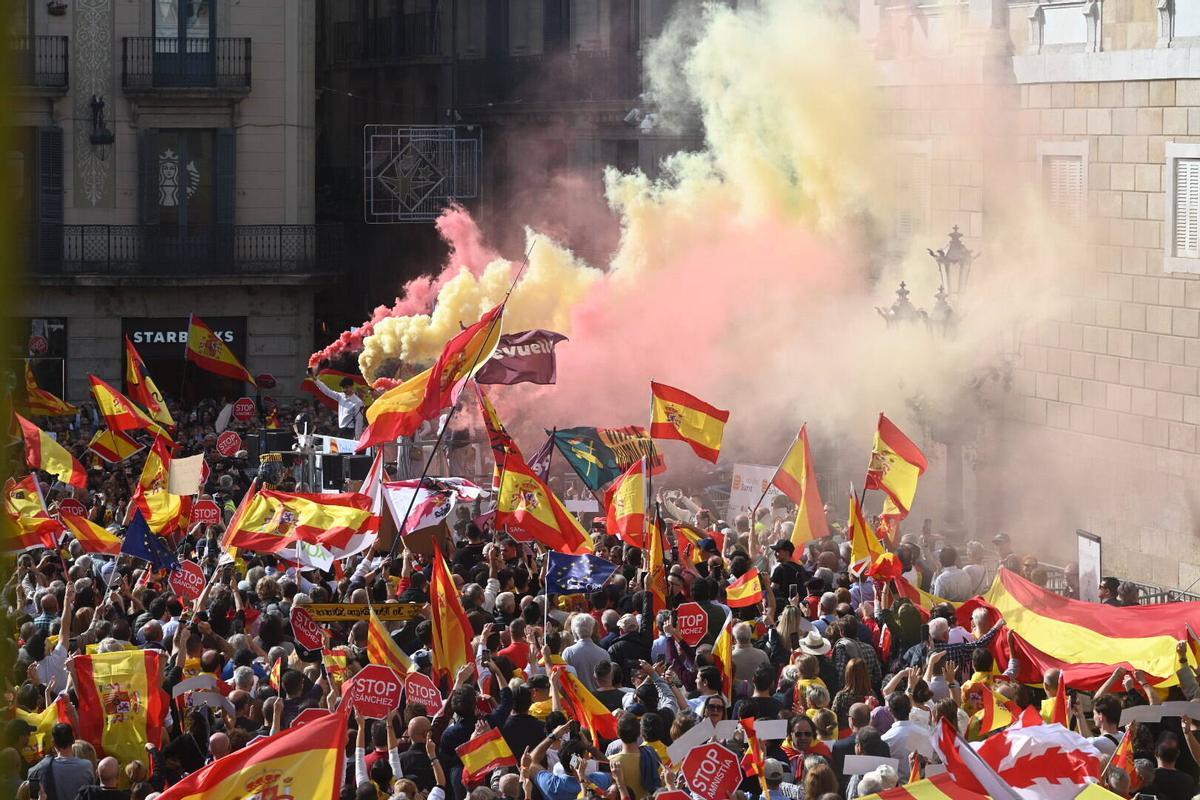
x=141 y=543
x=577 y=574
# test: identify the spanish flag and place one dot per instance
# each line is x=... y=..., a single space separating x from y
x=626 y=504
x=164 y=512
x=382 y=648
x=400 y=410
x=113 y=446
x=752 y=762
x=26 y=523
x=675 y=414
x=333 y=379
x=744 y=591
x=275 y=676
x=723 y=656
x=483 y=755
x=503 y=445
x=688 y=539
x=121 y=702
x=865 y=545
x=336 y=664
x=44 y=453
x=452 y=631
x=582 y=705
x=529 y=510
x=307 y=762
x=210 y=353
x=797 y=479
x=1123 y=758
x=923 y=600
x=118 y=410
x=997 y=711
x=273 y=520
x=142 y=388
x=939 y=787
x=42 y=403
x=896 y=464
x=40 y=741
x=94 y=538
x=656 y=565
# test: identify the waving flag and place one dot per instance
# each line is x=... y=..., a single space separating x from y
x=141 y=543
x=744 y=591
x=114 y=446
x=94 y=538
x=333 y=378
x=119 y=411
x=26 y=523
x=308 y=762
x=723 y=656
x=402 y=409
x=567 y=574
x=797 y=479
x=273 y=520
x=527 y=509
x=1122 y=758
x=600 y=455
x=382 y=648
x=625 y=502
x=865 y=545
x=122 y=706
x=656 y=564
x=41 y=742
x=675 y=414
x=896 y=464
x=142 y=388
x=452 y=631
x=44 y=453
x=501 y=442
x=164 y=512
x=419 y=504
x=997 y=711
x=523 y=357
x=210 y=353
x=584 y=706
x=939 y=787
x=41 y=403
x=483 y=755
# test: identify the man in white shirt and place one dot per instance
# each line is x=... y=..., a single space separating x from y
x=951 y=583
x=350 y=406
x=905 y=737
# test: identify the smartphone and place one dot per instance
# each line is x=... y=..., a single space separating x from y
x=795 y=590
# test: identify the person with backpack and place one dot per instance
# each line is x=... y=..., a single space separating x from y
x=60 y=774
x=636 y=768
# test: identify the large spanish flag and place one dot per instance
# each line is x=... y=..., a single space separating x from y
x=94 y=538
x=142 y=388
x=896 y=464
x=26 y=525
x=382 y=648
x=210 y=353
x=119 y=411
x=45 y=453
x=483 y=755
x=121 y=702
x=675 y=414
x=400 y=410
x=272 y=520
x=528 y=509
x=113 y=446
x=42 y=403
x=452 y=631
x=625 y=502
x=744 y=591
x=939 y=787
x=308 y=762
x=797 y=479
x=1089 y=640
x=584 y=706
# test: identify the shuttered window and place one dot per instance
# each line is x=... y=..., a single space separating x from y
x=1187 y=208
x=912 y=194
x=1062 y=178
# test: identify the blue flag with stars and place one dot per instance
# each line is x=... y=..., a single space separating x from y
x=140 y=543
x=584 y=574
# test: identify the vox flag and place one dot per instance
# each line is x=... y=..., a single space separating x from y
x=675 y=414
x=210 y=353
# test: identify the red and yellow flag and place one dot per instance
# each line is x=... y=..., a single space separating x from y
x=865 y=545
x=41 y=742
x=752 y=762
x=308 y=762
x=452 y=630
x=41 y=403
x=1122 y=757
x=1059 y=711
x=164 y=512
x=272 y=520
x=723 y=657
x=896 y=464
x=113 y=446
x=44 y=453
x=675 y=414
x=797 y=479
x=656 y=565
x=333 y=378
x=529 y=510
x=584 y=706
x=688 y=539
x=744 y=591
x=210 y=353
x=382 y=648
x=996 y=712
x=275 y=676
x=118 y=410
x=26 y=523
x=939 y=787
x=503 y=445
x=142 y=388
x=121 y=702
x=483 y=755
x=400 y=410
x=336 y=664
x=1193 y=640
x=625 y=501
x=94 y=538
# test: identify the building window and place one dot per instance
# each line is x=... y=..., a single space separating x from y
x=472 y=28
x=589 y=24
x=1183 y=208
x=524 y=27
x=911 y=186
x=1063 y=170
x=1179 y=22
x=1065 y=26
x=185 y=178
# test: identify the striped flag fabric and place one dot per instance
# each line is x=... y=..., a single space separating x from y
x=122 y=706
x=723 y=656
x=94 y=538
x=452 y=631
x=483 y=755
x=142 y=388
x=675 y=414
x=997 y=711
x=119 y=411
x=26 y=525
x=382 y=648
x=744 y=591
x=114 y=446
x=896 y=464
x=43 y=452
x=939 y=787
x=625 y=504
x=797 y=479
x=584 y=706
x=210 y=353
x=41 y=403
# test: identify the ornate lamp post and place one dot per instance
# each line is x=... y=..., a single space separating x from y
x=902 y=312
x=954 y=264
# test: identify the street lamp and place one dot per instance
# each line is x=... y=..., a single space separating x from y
x=902 y=312
x=954 y=264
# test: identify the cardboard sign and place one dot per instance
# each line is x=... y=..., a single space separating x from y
x=695 y=736
x=199 y=683
x=228 y=443
x=72 y=506
x=339 y=612
x=693 y=623
x=206 y=512
x=419 y=688
x=861 y=765
x=306 y=630
x=212 y=700
x=309 y=715
x=375 y=691
x=244 y=409
x=1175 y=708
x=712 y=771
x=187 y=581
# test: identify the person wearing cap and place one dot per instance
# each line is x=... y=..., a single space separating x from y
x=1003 y=546
x=774 y=772
x=787 y=573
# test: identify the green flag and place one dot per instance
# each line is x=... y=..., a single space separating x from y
x=600 y=455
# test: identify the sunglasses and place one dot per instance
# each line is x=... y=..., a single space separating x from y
x=802 y=735
x=716 y=709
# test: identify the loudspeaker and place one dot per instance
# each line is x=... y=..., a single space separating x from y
x=333 y=475
x=358 y=467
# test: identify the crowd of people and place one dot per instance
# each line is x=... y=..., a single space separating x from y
x=854 y=666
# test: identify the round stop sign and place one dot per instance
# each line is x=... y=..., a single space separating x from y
x=309 y=715
x=693 y=623
x=375 y=691
x=419 y=688
x=245 y=409
x=229 y=443
x=187 y=581
x=72 y=506
x=712 y=771
x=206 y=512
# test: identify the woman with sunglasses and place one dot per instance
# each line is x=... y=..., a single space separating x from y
x=715 y=708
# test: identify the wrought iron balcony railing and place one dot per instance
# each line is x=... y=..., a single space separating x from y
x=209 y=63
x=39 y=62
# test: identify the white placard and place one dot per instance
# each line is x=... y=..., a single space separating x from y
x=1176 y=708
x=695 y=736
x=1090 y=571
x=860 y=765
x=183 y=478
x=768 y=729
x=725 y=729
x=198 y=683
x=747 y=486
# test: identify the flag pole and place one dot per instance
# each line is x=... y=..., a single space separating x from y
x=454 y=408
x=767 y=488
x=183 y=377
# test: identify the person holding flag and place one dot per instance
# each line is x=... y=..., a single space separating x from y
x=350 y=406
